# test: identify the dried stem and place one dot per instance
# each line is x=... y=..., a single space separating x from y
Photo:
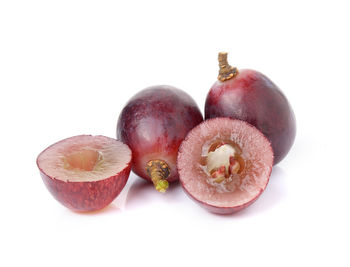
x=226 y=71
x=158 y=171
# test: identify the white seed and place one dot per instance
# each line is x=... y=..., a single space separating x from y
x=220 y=157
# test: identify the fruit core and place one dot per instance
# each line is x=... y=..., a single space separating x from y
x=84 y=160
x=223 y=161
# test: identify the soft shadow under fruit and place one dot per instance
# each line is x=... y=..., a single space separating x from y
x=85 y=173
x=224 y=164
x=153 y=123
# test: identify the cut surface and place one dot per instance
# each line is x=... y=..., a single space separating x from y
x=84 y=158
x=241 y=187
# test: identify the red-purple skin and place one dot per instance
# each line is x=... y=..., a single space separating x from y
x=153 y=124
x=252 y=97
x=87 y=196
x=223 y=210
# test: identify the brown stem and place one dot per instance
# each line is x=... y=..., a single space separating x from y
x=158 y=171
x=226 y=71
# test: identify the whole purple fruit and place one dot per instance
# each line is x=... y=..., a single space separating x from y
x=250 y=96
x=153 y=123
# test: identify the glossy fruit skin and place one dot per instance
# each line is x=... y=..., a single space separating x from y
x=222 y=210
x=87 y=196
x=153 y=124
x=252 y=97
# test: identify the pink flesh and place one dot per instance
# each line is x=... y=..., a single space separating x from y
x=84 y=158
x=256 y=152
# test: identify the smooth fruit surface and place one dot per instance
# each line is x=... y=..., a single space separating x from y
x=85 y=173
x=252 y=97
x=153 y=123
x=224 y=164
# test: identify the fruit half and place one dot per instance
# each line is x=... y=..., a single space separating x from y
x=85 y=173
x=224 y=164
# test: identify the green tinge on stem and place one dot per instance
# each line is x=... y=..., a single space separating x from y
x=158 y=171
x=162 y=186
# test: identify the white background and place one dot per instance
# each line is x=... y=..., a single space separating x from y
x=68 y=68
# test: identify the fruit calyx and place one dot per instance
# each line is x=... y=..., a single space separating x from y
x=226 y=71
x=159 y=171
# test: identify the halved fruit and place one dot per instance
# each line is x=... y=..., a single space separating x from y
x=224 y=164
x=85 y=173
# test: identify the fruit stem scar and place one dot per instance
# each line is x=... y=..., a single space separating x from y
x=159 y=171
x=226 y=71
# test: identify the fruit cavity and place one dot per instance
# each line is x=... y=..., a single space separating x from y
x=84 y=160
